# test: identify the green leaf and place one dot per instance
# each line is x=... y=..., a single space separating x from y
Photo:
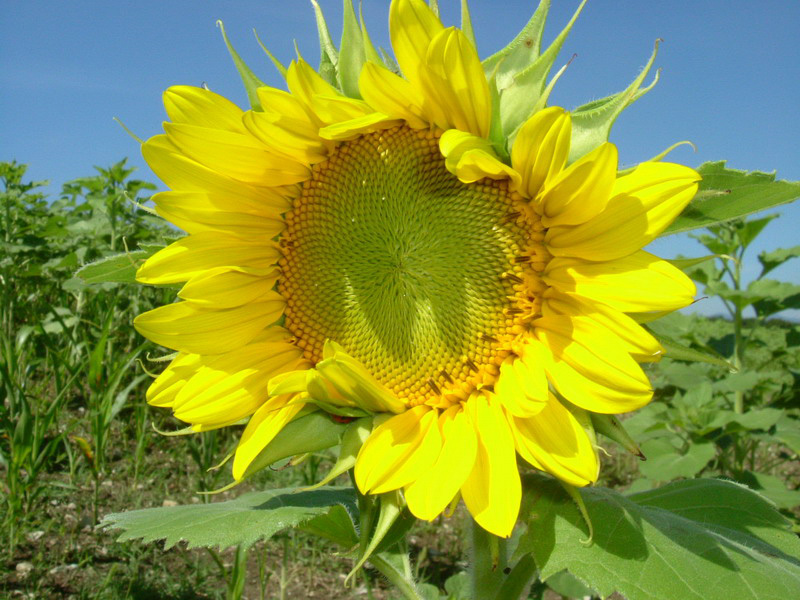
x=352 y=54
x=666 y=462
x=245 y=520
x=458 y=587
x=771 y=487
x=771 y=260
x=336 y=525
x=749 y=230
x=737 y=382
x=772 y=296
x=120 y=268
x=787 y=432
x=761 y=418
x=727 y=194
x=702 y=539
x=569 y=586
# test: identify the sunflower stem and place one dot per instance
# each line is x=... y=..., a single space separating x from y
x=396 y=577
x=489 y=561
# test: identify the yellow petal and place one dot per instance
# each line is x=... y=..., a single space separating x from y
x=200 y=252
x=554 y=441
x=642 y=204
x=582 y=190
x=283 y=109
x=305 y=83
x=521 y=387
x=349 y=129
x=399 y=451
x=493 y=490
x=198 y=106
x=334 y=109
x=183 y=326
x=352 y=380
x=640 y=282
x=279 y=138
x=195 y=211
x=591 y=366
x=454 y=78
x=180 y=172
x=264 y=425
x=541 y=148
x=430 y=494
x=471 y=158
x=637 y=340
x=237 y=155
x=412 y=26
x=231 y=386
x=226 y=287
x=391 y=95
x=165 y=387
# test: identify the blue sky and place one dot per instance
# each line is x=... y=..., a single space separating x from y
x=730 y=77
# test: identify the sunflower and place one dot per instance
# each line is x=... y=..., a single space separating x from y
x=382 y=259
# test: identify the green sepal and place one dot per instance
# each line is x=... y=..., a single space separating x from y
x=391 y=506
x=611 y=427
x=353 y=438
x=675 y=350
x=496 y=135
x=119 y=268
x=658 y=157
x=278 y=64
x=521 y=52
x=184 y=431
x=591 y=123
x=352 y=54
x=249 y=79
x=390 y=62
x=369 y=48
x=687 y=263
x=311 y=432
x=335 y=409
x=520 y=98
x=329 y=55
x=466 y=23
x=726 y=194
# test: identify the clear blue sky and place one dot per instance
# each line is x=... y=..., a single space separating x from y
x=730 y=80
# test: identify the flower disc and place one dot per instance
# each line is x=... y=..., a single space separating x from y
x=409 y=269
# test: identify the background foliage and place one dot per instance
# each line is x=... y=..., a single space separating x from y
x=77 y=440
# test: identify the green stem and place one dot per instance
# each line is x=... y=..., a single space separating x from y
x=396 y=578
x=489 y=560
x=738 y=346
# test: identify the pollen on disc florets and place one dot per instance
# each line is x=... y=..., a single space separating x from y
x=425 y=280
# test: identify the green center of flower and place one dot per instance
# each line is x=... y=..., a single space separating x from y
x=410 y=270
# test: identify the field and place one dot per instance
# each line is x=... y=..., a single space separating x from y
x=77 y=440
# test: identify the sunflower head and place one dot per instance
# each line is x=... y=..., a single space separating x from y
x=425 y=248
